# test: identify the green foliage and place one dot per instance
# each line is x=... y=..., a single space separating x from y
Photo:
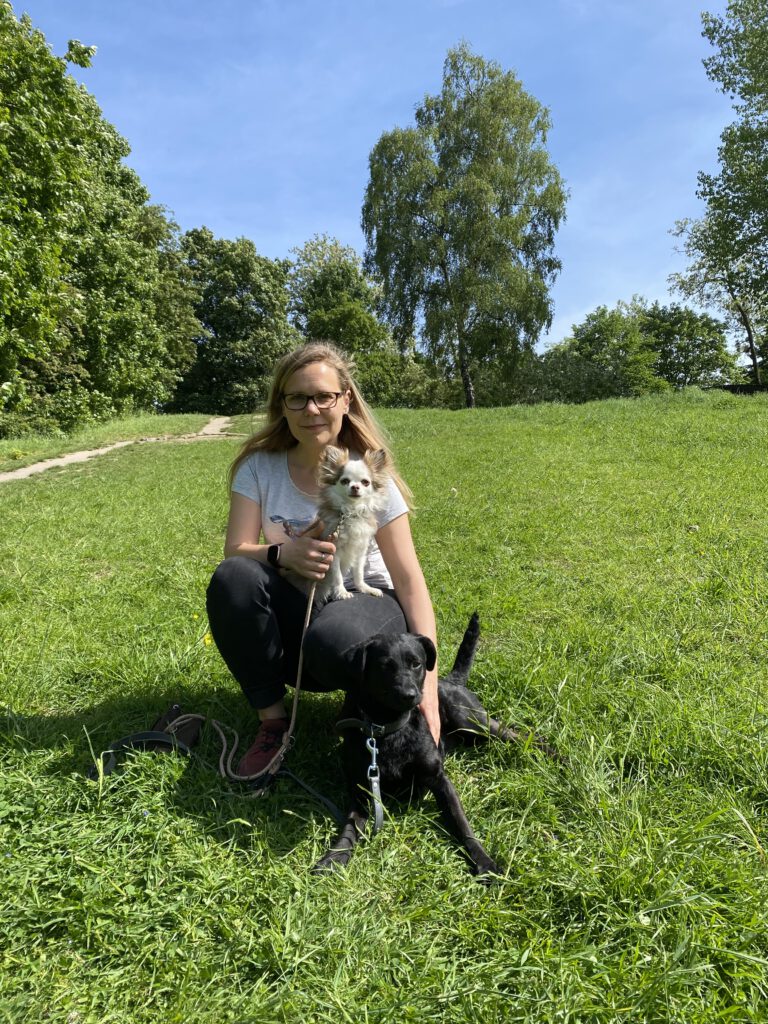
x=242 y=302
x=691 y=348
x=634 y=349
x=741 y=40
x=613 y=341
x=83 y=273
x=621 y=601
x=387 y=378
x=460 y=215
x=728 y=247
x=349 y=325
x=332 y=299
x=717 y=278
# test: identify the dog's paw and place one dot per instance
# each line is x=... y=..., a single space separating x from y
x=331 y=862
x=488 y=872
x=371 y=591
x=340 y=594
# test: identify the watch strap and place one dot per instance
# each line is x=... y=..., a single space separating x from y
x=273 y=554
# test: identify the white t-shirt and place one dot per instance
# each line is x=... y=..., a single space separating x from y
x=285 y=510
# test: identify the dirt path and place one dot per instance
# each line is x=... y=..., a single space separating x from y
x=216 y=427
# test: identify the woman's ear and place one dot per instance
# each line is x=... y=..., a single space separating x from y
x=429 y=651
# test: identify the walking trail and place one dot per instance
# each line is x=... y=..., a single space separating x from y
x=216 y=427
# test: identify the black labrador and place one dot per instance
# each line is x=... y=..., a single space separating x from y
x=385 y=705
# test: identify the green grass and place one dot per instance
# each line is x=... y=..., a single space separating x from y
x=23 y=451
x=616 y=554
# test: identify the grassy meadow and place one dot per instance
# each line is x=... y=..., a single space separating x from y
x=617 y=555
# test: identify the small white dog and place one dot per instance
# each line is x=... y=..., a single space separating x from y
x=352 y=491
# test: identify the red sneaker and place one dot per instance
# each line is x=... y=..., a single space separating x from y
x=268 y=741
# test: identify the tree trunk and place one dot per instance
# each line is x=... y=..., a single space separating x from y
x=744 y=317
x=466 y=380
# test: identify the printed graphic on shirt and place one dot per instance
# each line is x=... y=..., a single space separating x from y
x=292 y=527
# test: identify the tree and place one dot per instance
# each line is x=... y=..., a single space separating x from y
x=691 y=348
x=741 y=39
x=331 y=297
x=635 y=349
x=716 y=278
x=621 y=354
x=740 y=69
x=728 y=246
x=242 y=309
x=460 y=215
x=82 y=256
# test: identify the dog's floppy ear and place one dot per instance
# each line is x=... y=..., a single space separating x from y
x=361 y=653
x=429 y=650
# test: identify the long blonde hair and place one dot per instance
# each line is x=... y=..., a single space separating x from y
x=359 y=430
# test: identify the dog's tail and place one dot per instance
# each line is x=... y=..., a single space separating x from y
x=466 y=653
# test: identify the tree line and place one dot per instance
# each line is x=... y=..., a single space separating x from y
x=106 y=306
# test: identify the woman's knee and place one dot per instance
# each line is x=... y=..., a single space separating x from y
x=236 y=580
x=335 y=638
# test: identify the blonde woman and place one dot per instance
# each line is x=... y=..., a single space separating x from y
x=256 y=614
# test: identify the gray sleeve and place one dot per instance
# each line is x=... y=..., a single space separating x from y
x=395 y=506
x=246 y=482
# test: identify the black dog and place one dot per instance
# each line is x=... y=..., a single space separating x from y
x=385 y=706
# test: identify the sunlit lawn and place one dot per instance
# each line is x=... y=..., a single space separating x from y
x=616 y=553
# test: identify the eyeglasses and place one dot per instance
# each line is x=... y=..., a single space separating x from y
x=322 y=400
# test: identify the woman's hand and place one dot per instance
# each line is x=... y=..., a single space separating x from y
x=430 y=706
x=308 y=555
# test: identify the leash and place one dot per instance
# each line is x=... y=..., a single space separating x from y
x=269 y=773
x=374 y=782
x=374 y=731
x=168 y=731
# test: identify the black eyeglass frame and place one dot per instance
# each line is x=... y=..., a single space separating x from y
x=311 y=398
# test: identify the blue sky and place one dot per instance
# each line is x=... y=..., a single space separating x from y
x=256 y=117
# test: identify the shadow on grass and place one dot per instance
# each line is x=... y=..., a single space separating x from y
x=197 y=792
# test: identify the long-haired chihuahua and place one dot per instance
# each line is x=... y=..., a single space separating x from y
x=353 y=490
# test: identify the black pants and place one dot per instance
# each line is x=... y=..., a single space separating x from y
x=256 y=618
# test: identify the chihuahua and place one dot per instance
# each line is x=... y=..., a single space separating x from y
x=353 y=490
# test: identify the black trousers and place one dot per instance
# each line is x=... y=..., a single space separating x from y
x=256 y=619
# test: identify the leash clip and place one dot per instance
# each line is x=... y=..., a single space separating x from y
x=373 y=768
x=373 y=779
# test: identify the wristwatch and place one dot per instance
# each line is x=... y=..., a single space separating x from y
x=273 y=554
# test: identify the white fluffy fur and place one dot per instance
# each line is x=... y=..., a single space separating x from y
x=353 y=490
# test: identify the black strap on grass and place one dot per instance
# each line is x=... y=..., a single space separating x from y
x=152 y=739
x=157 y=738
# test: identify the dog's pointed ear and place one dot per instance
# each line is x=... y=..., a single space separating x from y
x=333 y=459
x=429 y=650
x=377 y=460
x=334 y=456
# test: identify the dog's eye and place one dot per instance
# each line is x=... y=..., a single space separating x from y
x=414 y=663
x=345 y=480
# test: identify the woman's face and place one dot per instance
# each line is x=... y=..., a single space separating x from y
x=313 y=427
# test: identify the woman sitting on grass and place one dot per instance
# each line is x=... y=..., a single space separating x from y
x=256 y=614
